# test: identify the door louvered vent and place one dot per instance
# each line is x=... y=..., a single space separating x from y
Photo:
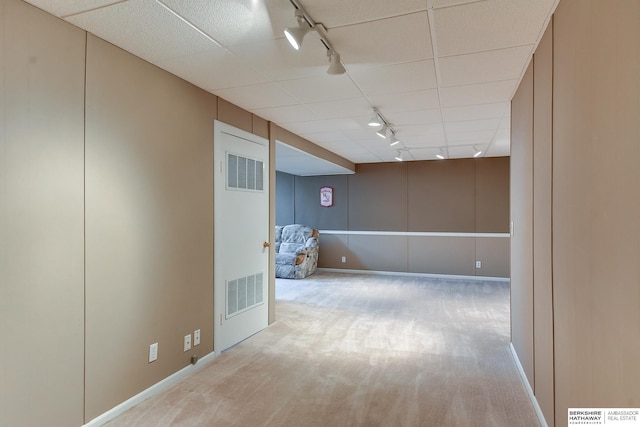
x=244 y=173
x=243 y=294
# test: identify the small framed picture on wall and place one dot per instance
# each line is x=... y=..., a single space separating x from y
x=326 y=197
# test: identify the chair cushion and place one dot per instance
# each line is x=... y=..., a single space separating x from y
x=296 y=233
x=290 y=248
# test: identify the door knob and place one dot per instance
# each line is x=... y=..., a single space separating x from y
x=266 y=245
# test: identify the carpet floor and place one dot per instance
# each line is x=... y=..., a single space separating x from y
x=360 y=350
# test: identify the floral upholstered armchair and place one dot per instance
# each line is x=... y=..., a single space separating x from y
x=296 y=251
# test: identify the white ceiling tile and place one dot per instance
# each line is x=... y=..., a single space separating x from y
x=354 y=107
x=422 y=136
x=64 y=8
x=403 y=38
x=476 y=112
x=461 y=151
x=483 y=93
x=336 y=13
x=277 y=60
x=427 y=153
x=491 y=66
x=397 y=78
x=362 y=134
x=419 y=117
x=144 y=28
x=488 y=25
x=213 y=69
x=325 y=88
x=438 y=4
x=303 y=128
x=409 y=101
x=475 y=137
x=325 y=138
x=286 y=114
x=472 y=126
x=238 y=21
x=252 y=97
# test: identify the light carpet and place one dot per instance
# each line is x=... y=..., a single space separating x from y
x=360 y=350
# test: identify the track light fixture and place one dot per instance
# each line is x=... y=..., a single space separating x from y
x=386 y=130
x=477 y=151
x=375 y=121
x=400 y=156
x=440 y=154
x=335 y=66
x=393 y=140
x=295 y=35
x=382 y=132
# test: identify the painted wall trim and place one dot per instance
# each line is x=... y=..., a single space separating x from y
x=407 y=273
x=413 y=233
x=151 y=391
x=527 y=386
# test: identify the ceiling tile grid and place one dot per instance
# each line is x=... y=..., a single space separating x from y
x=145 y=28
x=442 y=72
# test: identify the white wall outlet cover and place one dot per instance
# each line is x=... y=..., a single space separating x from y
x=478 y=264
x=196 y=337
x=153 y=352
x=187 y=342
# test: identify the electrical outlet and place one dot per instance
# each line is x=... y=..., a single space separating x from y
x=187 y=342
x=153 y=352
x=478 y=264
x=196 y=337
x=344 y=259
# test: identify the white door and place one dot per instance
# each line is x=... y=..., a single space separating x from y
x=241 y=220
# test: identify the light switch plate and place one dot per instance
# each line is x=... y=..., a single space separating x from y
x=196 y=337
x=153 y=352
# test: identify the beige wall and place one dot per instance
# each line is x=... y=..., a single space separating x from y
x=106 y=220
x=596 y=204
x=453 y=196
x=582 y=119
x=149 y=219
x=521 y=218
x=542 y=191
x=41 y=218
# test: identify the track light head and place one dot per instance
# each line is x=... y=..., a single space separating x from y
x=399 y=156
x=335 y=66
x=393 y=140
x=382 y=132
x=477 y=151
x=375 y=121
x=295 y=35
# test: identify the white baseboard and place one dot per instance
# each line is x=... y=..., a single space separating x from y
x=527 y=386
x=405 y=273
x=151 y=391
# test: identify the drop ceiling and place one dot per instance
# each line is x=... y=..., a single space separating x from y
x=441 y=71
